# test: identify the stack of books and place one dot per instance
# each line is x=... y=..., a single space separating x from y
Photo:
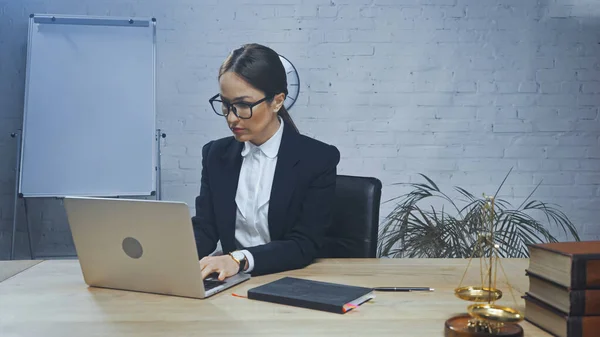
x=564 y=288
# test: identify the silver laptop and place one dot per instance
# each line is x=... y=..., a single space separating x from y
x=140 y=245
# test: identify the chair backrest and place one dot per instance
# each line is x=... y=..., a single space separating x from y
x=354 y=231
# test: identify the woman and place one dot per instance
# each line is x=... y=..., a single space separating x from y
x=266 y=192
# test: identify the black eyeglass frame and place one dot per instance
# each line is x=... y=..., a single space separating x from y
x=230 y=106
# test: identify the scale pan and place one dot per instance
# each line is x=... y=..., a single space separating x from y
x=478 y=294
x=495 y=313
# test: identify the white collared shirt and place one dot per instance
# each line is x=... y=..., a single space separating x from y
x=253 y=193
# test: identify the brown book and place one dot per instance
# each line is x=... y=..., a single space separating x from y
x=574 y=265
x=572 y=302
x=558 y=323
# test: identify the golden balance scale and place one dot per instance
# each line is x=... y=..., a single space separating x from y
x=485 y=318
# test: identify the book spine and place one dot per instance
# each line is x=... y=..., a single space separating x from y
x=584 y=326
x=574 y=326
x=295 y=302
x=577 y=300
x=585 y=273
x=584 y=302
x=578 y=273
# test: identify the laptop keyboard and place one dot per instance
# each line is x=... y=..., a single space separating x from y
x=210 y=283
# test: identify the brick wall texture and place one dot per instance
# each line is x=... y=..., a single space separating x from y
x=459 y=90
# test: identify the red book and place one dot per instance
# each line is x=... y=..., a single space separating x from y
x=575 y=265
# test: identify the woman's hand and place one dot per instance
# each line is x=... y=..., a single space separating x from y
x=224 y=265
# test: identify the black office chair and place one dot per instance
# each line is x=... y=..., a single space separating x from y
x=354 y=231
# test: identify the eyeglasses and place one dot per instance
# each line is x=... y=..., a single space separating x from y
x=240 y=109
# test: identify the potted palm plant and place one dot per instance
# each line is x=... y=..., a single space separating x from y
x=413 y=230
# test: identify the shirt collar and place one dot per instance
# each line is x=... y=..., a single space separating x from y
x=270 y=148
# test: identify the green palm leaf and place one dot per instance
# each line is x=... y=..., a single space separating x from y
x=412 y=230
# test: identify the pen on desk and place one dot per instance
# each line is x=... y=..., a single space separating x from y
x=406 y=289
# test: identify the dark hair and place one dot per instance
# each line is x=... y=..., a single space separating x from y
x=261 y=67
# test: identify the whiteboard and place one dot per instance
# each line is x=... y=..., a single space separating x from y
x=89 y=120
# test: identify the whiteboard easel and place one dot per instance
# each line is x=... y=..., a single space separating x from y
x=89 y=120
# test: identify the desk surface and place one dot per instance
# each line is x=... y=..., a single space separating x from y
x=9 y=269
x=51 y=299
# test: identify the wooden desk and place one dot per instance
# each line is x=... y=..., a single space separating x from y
x=9 y=269
x=50 y=299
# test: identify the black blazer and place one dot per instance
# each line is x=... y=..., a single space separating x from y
x=300 y=206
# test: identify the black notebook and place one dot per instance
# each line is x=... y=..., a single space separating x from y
x=325 y=296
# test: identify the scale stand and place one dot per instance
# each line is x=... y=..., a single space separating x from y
x=17 y=195
x=485 y=319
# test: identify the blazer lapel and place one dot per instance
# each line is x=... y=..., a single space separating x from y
x=228 y=181
x=284 y=182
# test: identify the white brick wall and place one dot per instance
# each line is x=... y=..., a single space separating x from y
x=461 y=90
